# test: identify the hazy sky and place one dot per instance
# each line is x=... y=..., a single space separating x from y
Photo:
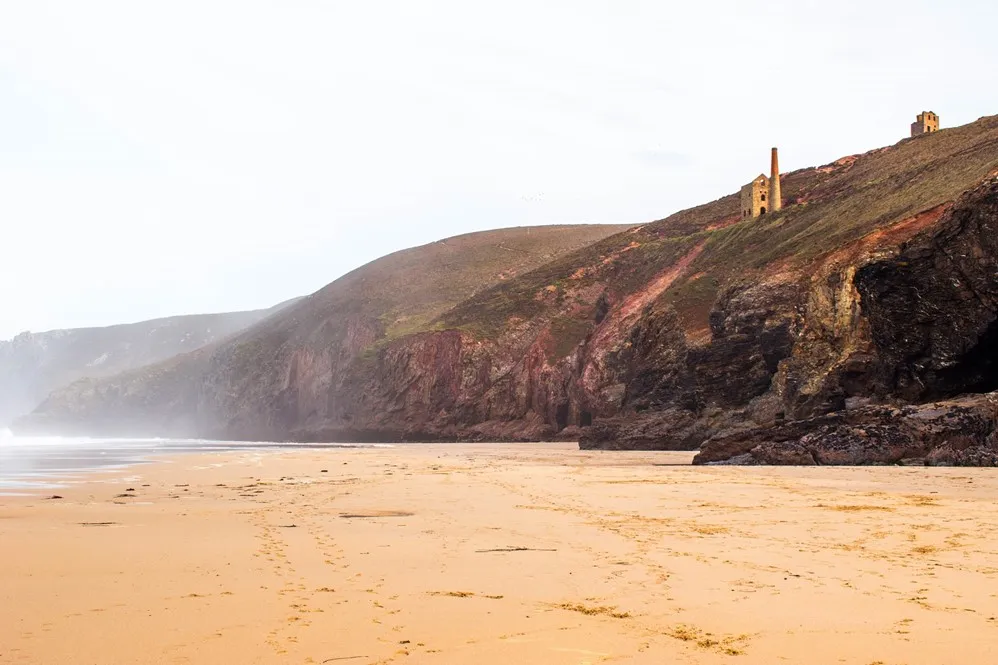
x=159 y=158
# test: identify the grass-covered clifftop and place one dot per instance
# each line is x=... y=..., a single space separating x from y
x=827 y=209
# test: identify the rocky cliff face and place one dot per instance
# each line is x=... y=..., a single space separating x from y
x=917 y=323
x=907 y=316
x=292 y=375
x=875 y=285
x=34 y=364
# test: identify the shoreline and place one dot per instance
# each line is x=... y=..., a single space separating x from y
x=29 y=465
x=487 y=553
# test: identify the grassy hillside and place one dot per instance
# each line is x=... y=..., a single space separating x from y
x=325 y=332
x=826 y=210
x=405 y=292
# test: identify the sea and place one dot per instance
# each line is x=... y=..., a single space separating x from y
x=32 y=464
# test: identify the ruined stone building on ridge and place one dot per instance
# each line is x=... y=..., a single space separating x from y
x=763 y=194
x=926 y=122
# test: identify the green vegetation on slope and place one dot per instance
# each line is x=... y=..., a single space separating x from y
x=827 y=209
x=349 y=319
x=880 y=189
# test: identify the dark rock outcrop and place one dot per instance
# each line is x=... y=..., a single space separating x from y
x=673 y=429
x=933 y=308
x=960 y=431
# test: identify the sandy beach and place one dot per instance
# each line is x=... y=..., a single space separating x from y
x=498 y=554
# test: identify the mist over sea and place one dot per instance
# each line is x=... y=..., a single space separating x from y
x=31 y=464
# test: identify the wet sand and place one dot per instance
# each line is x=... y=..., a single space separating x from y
x=498 y=554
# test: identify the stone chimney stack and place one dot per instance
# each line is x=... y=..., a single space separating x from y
x=775 y=196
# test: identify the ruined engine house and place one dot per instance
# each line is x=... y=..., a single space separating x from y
x=763 y=194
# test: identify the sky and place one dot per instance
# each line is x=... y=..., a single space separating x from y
x=198 y=156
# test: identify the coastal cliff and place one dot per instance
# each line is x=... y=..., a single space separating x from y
x=34 y=364
x=281 y=378
x=875 y=287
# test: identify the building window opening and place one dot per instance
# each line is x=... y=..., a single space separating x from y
x=762 y=210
